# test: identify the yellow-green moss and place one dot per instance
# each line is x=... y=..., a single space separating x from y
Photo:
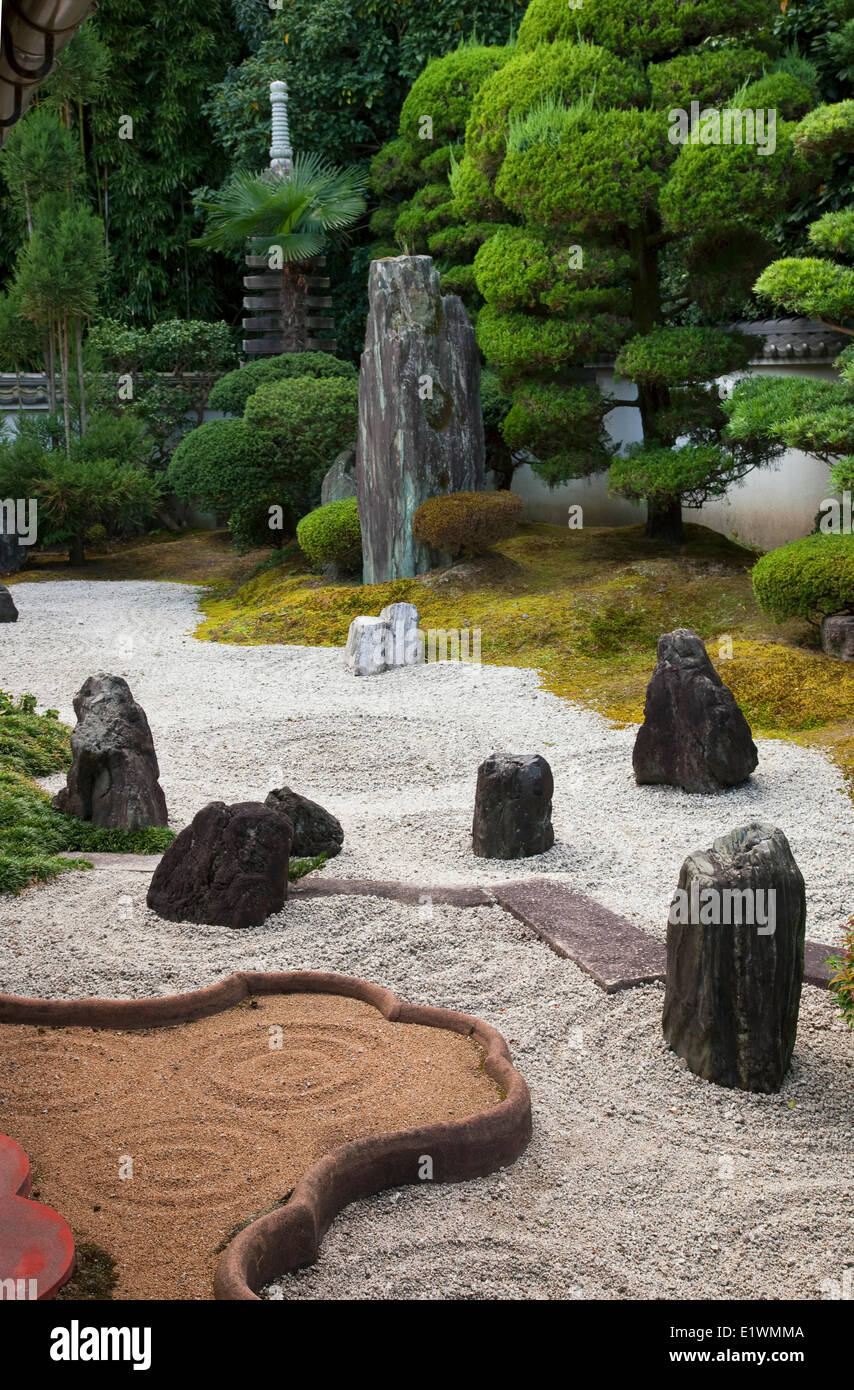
x=585 y=609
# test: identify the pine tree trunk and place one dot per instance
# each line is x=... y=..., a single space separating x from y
x=77 y=550
x=81 y=381
x=63 y=357
x=664 y=520
x=50 y=364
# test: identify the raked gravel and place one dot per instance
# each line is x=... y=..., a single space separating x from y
x=641 y=1181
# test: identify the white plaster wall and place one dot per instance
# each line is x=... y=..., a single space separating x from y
x=768 y=508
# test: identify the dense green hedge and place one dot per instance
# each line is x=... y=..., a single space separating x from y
x=809 y=578
x=332 y=535
x=232 y=392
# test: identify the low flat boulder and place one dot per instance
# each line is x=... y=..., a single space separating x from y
x=513 y=807
x=316 y=831
x=8 y=611
x=227 y=868
x=113 y=779
x=368 y=641
x=693 y=733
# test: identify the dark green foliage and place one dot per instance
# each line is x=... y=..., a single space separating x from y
x=219 y=465
x=648 y=31
x=709 y=77
x=232 y=391
x=331 y=535
x=809 y=578
x=681 y=356
x=302 y=424
x=170 y=366
x=549 y=415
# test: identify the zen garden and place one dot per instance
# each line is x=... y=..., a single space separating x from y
x=427 y=654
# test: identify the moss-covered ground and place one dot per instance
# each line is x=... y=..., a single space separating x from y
x=585 y=609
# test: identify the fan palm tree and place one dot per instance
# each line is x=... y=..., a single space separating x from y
x=298 y=213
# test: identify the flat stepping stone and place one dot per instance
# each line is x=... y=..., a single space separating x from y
x=609 y=948
x=36 y=1246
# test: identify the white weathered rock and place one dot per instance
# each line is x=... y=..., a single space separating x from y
x=406 y=645
x=367 y=646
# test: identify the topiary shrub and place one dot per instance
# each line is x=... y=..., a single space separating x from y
x=467 y=523
x=809 y=578
x=216 y=464
x=302 y=424
x=332 y=535
x=231 y=392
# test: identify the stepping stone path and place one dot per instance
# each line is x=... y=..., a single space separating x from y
x=36 y=1246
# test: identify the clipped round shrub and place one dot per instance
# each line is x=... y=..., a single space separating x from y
x=215 y=464
x=332 y=535
x=782 y=92
x=467 y=523
x=709 y=76
x=444 y=92
x=809 y=578
x=232 y=391
x=564 y=71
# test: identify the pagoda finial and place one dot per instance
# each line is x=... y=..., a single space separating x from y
x=281 y=154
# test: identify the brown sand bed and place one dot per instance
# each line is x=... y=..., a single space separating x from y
x=219 y=1124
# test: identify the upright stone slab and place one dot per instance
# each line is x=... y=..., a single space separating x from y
x=837 y=636
x=339 y=482
x=693 y=734
x=420 y=423
x=405 y=644
x=513 y=807
x=113 y=776
x=735 y=959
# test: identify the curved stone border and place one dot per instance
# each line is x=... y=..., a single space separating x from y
x=291 y=1235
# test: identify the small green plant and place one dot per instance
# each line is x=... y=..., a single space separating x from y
x=332 y=535
x=842 y=979
x=298 y=868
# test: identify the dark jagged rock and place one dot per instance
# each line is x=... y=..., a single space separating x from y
x=693 y=734
x=837 y=636
x=513 y=807
x=228 y=867
x=420 y=422
x=316 y=831
x=734 y=983
x=114 y=772
x=12 y=553
x=8 y=611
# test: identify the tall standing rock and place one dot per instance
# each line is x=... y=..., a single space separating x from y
x=693 y=734
x=420 y=422
x=735 y=959
x=114 y=772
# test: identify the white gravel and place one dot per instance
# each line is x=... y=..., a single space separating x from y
x=395 y=757
x=641 y=1181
